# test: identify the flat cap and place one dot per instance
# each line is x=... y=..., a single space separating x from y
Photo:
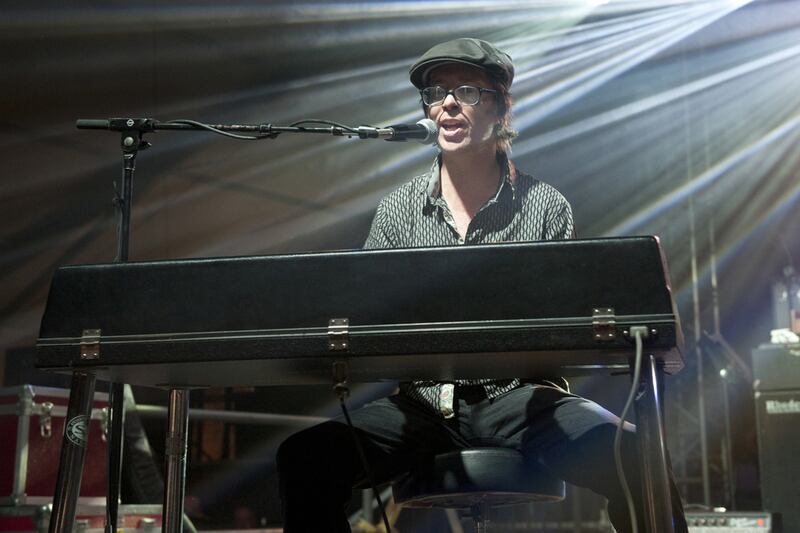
x=467 y=51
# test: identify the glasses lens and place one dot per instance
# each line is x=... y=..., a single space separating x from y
x=467 y=95
x=433 y=95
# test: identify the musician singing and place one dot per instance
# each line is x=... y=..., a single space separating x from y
x=472 y=194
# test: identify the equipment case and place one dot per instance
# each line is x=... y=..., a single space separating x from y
x=88 y=519
x=31 y=428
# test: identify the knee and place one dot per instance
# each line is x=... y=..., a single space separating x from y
x=290 y=452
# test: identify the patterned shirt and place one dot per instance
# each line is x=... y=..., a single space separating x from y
x=416 y=215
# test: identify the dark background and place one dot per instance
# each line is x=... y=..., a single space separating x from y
x=672 y=118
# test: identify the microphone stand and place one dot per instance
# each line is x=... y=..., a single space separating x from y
x=79 y=408
x=131 y=142
x=73 y=450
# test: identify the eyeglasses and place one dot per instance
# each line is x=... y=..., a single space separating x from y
x=464 y=95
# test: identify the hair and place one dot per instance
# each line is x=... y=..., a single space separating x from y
x=502 y=130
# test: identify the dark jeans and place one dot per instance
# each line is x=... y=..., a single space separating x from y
x=569 y=435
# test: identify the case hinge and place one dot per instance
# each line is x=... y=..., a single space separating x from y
x=338 y=334
x=90 y=344
x=604 y=324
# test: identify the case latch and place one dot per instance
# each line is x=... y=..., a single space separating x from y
x=90 y=344
x=338 y=334
x=604 y=324
x=46 y=420
x=45 y=412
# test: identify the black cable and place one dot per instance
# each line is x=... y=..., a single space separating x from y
x=225 y=133
x=637 y=332
x=345 y=127
x=342 y=393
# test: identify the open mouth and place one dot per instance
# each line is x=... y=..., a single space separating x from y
x=451 y=126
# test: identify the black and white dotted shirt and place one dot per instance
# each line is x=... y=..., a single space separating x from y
x=415 y=215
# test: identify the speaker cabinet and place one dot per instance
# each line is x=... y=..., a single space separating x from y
x=777 y=396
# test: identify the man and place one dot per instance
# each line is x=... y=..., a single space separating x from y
x=472 y=194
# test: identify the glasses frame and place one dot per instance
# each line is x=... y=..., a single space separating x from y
x=481 y=90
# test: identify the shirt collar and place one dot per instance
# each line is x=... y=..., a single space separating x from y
x=509 y=171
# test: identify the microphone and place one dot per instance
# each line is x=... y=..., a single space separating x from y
x=423 y=132
x=116 y=124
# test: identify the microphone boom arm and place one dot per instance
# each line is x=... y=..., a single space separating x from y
x=423 y=131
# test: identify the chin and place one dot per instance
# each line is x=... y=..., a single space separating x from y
x=467 y=143
x=451 y=147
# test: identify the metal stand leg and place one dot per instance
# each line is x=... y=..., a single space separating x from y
x=175 y=451
x=73 y=452
x=652 y=449
x=730 y=476
x=116 y=425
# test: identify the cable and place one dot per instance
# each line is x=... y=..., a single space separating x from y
x=343 y=392
x=345 y=127
x=188 y=525
x=336 y=128
x=638 y=332
x=225 y=133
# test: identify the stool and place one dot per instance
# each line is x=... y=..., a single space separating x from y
x=475 y=480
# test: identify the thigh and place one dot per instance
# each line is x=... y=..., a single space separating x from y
x=557 y=418
x=548 y=421
x=536 y=416
x=402 y=427
x=395 y=434
x=574 y=438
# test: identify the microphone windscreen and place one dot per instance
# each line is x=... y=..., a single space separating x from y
x=431 y=128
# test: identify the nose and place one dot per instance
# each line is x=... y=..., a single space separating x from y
x=450 y=101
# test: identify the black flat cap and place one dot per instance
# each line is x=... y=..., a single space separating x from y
x=467 y=51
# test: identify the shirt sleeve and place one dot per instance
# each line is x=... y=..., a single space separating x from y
x=381 y=234
x=561 y=226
